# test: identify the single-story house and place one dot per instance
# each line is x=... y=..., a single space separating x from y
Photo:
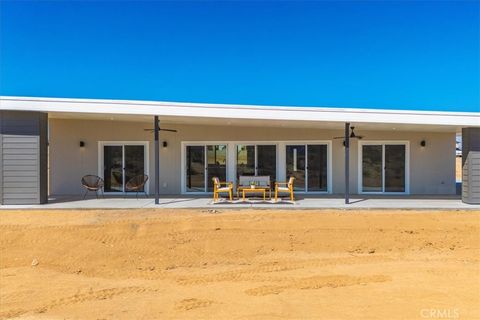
x=48 y=144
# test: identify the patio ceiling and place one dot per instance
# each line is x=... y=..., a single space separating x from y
x=334 y=125
x=243 y=115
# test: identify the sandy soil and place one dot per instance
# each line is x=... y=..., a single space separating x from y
x=246 y=264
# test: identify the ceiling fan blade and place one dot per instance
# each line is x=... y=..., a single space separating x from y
x=160 y=129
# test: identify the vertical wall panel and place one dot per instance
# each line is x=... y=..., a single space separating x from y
x=23 y=162
x=1 y=157
x=471 y=165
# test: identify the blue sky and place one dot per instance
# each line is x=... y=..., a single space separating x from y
x=395 y=55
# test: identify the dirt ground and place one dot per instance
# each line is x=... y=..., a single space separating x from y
x=244 y=264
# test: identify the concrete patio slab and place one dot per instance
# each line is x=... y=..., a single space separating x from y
x=324 y=202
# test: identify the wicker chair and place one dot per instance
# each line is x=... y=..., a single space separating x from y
x=136 y=184
x=92 y=183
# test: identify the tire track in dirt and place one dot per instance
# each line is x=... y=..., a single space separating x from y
x=317 y=282
x=192 y=303
x=91 y=295
x=258 y=273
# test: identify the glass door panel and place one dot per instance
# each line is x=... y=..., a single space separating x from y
x=216 y=164
x=295 y=161
x=245 y=160
x=317 y=167
x=113 y=168
x=372 y=168
x=395 y=168
x=195 y=169
x=267 y=162
x=134 y=161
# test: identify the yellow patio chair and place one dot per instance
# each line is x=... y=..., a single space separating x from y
x=287 y=189
x=221 y=187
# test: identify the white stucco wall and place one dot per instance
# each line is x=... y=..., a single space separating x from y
x=432 y=169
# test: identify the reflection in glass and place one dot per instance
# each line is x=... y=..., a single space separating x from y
x=267 y=162
x=134 y=162
x=296 y=165
x=195 y=169
x=394 y=168
x=372 y=168
x=216 y=164
x=317 y=167
x=112 y=168
x=245 y=160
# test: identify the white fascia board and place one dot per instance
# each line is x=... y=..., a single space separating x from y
x=127 y=107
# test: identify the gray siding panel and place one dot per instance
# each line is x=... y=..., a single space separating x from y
x=473 y=162
x=26 y=186
x=25 y=156
x=19 y=151
x=21 y=158
x=29 y=146
x=19 y=201
x=12 y=174
x=20 y=163
x=30 y=178
x=8 y=138
x=1 y=157
x=24 y=190
x=471 y=165
x=21 y=195
x=6 y=168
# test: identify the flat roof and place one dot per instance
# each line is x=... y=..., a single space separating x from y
x=234 y=111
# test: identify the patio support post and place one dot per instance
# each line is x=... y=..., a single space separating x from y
x=347 y=162
x=157 y=160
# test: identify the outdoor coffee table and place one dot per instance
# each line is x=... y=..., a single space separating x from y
x=254 y=190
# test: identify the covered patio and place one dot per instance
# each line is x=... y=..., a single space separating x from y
x=338 y=157
x=303 y=202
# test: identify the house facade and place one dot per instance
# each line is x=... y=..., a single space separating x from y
x=389 y=152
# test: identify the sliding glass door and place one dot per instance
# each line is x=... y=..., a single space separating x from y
x=383 y=167
x=395 y=168
x=245 y=160
x=296 y=165
x=195 y=169
x=113 y=168
x=372 y=168
x=216 y=164
x=308 y=164
x=317 y=168
x=257 y=160
x=202 y=163
x=267 y=161
x=122 y=162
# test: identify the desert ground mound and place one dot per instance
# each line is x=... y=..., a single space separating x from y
x=243 y=264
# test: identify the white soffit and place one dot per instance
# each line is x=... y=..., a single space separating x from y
x=231 y=111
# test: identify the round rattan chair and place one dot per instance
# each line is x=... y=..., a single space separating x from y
x=92 y=183
x=137 y=184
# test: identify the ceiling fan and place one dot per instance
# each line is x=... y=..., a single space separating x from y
x=352 y=135
x=169 y=130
